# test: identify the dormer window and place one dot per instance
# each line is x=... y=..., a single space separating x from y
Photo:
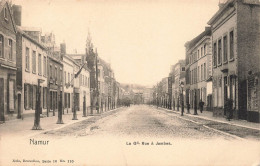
x=5 y=14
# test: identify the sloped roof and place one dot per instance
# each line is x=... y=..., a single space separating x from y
x=2 y=4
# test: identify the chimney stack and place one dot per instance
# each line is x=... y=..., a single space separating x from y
x=17 y=14
x=63 y=48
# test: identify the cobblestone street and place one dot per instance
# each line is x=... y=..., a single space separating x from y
x=145 y=121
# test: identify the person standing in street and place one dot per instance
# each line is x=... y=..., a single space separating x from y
x=201 y=104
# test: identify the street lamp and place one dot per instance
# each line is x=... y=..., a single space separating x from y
x=37 y=125
x=60 y=121
x=182 y=99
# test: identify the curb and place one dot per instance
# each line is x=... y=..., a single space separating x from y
x=65 y=125
x=202 y=117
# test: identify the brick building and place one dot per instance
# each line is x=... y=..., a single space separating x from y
x=8 y=104
x=235 y=42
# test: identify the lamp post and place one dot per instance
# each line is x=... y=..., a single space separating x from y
x=84 y=107
x=37 y=125
x=182 y=99
x=60 y=121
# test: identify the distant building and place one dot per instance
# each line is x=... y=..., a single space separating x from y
x=179 y=77
x=55 y=73
x=236 y=60
x=82 y=86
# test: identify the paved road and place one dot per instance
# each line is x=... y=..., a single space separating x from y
x=139 y=135
x=139 y=121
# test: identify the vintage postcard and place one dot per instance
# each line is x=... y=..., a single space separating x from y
x=129 y=82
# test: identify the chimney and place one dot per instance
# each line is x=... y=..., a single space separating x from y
x=221 y=3
x=63 y=48
x=17 y=14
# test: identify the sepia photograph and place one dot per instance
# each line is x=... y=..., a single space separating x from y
x=129 y=82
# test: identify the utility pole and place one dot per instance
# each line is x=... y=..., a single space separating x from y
x=97 y=90
x=37 y=125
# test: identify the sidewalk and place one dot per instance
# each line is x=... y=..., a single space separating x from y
x=207 y=115
x=24 y=127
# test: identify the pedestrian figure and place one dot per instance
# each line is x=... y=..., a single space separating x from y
x=201 y=104
x=228 y=107
x=188 y=108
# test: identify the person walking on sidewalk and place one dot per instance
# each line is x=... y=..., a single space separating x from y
x=201 y=104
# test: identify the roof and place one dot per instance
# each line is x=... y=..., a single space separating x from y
x=228 y=4
x=32 y=29
x=30 y=38
x=194 y=41
x=2 y=4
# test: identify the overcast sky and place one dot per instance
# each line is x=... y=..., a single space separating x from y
x=141 y=39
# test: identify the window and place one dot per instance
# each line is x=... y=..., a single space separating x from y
x=201 y=72
x=198 y=54
x=65 y=80
x=183 y=69
x=10 y=45
x=1 y=46
x=51 y=72
x=71 y=79
x=27 y=59
x=205 y=49
x=34 y=61
x=225 y=48
x=205 y=71
x=201 y=51
x=190 y=78
x=5 y=13
x=219 y=51
x=55 y=73
x=198 y=73
x=44 y=66
x=215 y=54
x=60 y=75
x=39 y=64
x=231 y=45
x=68 y=77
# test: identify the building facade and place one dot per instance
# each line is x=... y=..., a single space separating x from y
x=32 y=67
x=8 y=100
x=235 y=42
x=198 y=69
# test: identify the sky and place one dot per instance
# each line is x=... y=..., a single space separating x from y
x=141 y=39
